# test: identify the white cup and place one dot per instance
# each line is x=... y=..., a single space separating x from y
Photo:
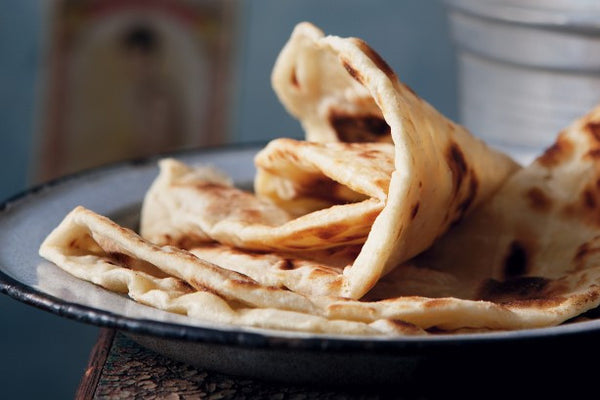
x=526 y=68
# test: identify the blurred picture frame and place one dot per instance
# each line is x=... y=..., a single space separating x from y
x=124 y=79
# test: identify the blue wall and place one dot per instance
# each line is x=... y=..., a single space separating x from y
x=42 y=355
x=412 y=36
x=19 y=55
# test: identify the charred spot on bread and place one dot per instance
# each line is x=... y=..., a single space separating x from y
x=538 y=199
x=374 y=57
x=515 y=262
x=457 y=164
x=514 y=289
x=558 y=153
x=351 y=128
x=353 y=72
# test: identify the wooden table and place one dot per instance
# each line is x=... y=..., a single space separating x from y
x=119 y=368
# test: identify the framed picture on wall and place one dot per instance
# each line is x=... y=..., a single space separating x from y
x=127 y=78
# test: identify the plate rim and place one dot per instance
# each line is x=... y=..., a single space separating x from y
x=242 y=336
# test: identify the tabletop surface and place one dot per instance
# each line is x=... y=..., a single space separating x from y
x=119 y=368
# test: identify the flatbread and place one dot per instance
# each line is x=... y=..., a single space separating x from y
x=533 y=249
x=527 y=258
x=319 y=84
x=183 y=205
x=435 y=171
x=93 y=248
x=517 y=247
x=303 y=177
x=441 y=170
x=96 y=249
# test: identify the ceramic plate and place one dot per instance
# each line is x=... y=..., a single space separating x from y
x=117 y=192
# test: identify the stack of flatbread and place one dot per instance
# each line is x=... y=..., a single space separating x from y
x=389 y=219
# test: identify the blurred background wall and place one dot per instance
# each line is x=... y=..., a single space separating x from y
x=42 y=355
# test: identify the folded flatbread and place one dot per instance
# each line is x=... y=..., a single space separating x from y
x=94 y=248
x=185 y=204
x=394 y=198
x=527 y=258
x=328 y=217
x=537 y=241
